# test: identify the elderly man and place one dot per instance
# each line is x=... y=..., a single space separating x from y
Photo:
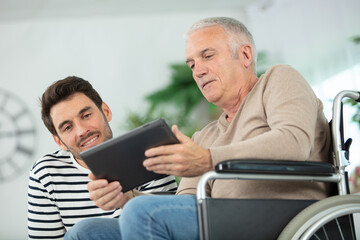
x=275 y=116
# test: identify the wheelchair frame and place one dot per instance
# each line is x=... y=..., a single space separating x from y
x=338 y=175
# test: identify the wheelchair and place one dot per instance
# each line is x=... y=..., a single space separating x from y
x=285 y=219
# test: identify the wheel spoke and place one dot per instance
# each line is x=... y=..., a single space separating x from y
x=316 y=236
x=351 y=221
x=339 y=228
x=325 y=234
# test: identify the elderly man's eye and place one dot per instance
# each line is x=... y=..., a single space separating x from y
x=191 y=65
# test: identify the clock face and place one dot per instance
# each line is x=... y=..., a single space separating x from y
x=17 y=136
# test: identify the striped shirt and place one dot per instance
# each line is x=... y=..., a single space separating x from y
x=58 y=196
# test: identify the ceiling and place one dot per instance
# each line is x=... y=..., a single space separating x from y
x=305 y=33
x=23 y=9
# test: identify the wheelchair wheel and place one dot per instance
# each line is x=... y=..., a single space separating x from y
x=331 y=218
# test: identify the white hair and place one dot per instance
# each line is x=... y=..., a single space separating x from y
x=237 y=32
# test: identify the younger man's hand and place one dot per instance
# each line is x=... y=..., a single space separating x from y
x=107 y=196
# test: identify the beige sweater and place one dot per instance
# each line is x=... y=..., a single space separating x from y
x=281 y=118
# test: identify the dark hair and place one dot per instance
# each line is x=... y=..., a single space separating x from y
x=62 y=90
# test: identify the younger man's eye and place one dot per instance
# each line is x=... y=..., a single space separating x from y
x=66 y=128
x=87 y=115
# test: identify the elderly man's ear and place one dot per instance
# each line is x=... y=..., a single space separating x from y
x=245 y=53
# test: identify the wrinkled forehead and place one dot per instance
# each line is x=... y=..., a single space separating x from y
x=204 y=38
x=210 y=31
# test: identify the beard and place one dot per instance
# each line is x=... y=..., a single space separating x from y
x=107 y=133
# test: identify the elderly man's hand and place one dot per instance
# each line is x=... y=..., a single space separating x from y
x=186 y=159
x=107 y=196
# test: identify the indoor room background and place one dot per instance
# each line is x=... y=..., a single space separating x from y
x=125 y=49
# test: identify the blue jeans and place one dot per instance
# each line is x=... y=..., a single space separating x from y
x=160 y=217
x=144 y=217
x=95 y=229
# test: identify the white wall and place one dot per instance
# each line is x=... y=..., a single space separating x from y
x=125 y=58
x=327 y=90
x=312 y=36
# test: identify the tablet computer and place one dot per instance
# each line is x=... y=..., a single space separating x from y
x=121 y=158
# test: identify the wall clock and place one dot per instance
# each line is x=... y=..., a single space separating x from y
x=18 y=136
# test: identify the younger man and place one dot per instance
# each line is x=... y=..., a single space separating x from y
x=77 y=118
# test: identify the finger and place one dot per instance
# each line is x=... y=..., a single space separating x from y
x=97 y=190
x=109 y=206
x=179 y=135
x=150 y=162
x=110 y=200
x=118 y=201
x=169 y=169
x=170 y=155
x=92 y=176
x=97 y=184
x=115 y=202
x=161 y=150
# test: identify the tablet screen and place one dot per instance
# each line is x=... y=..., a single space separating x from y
x=121 y=158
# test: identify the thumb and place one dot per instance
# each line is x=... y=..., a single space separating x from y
x=91 y=176
x=179 y=135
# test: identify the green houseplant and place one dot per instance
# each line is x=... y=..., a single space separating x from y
x=356 y=116
x=175 y=102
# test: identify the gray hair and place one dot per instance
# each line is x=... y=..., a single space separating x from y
x=237 y=32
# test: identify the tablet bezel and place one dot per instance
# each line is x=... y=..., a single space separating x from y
x=121 y=158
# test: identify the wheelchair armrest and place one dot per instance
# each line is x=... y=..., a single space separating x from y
x=283 y=167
